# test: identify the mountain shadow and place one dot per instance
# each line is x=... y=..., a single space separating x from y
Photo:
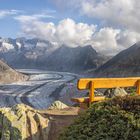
x=124 y=64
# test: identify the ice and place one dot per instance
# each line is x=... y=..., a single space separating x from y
x=43 y=88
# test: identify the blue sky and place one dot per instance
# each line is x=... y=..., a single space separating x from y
x=10 y=27
x=109 y=26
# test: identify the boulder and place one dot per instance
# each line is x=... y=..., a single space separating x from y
x=58 y=105
x=98 y=93
x=23 y=122
x=115 y=92
x=120 y=92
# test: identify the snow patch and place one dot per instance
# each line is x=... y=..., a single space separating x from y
x=7 y=46
x=18 y=44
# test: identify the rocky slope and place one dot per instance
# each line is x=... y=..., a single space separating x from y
x=22 y=122
x=36 y=53
x=9 y=75
x=126 y=63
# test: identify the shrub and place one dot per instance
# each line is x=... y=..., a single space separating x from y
x=115 y=119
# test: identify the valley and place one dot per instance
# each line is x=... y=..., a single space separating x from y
x=42 y=89
x=69 y=70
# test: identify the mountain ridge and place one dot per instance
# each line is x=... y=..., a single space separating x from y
x=126 y=63
x=36 y=53
x=9 y=75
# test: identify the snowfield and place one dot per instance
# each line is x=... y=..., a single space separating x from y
x=43 y=88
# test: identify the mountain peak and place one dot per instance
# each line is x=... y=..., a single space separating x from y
x=126 y=63
x=36 y=53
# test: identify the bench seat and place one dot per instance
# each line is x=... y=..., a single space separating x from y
x=86 y=99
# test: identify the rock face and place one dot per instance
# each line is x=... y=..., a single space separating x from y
x=116 y=119
x=126 y=63
x=8 y=75
x=58 y=105
x=22 y=122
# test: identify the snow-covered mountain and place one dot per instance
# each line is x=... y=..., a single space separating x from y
x=20 y=52
x=36 y=53
x=25 y=45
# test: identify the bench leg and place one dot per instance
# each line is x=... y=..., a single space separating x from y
x=91 y=93
x=138 y=87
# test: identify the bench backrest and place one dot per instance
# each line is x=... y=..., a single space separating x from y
x=92 y=83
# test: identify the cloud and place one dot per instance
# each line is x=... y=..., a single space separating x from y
x=110 y=41
x=24 y=16
x=106 y=40
x=66 y=32
x=128 y=38
x=118 y=21
x=44 y=14
x=34 y=17
x=5 y=13
x=121 y=12
x=118 y=30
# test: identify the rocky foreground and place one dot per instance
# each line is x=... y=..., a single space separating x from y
x=22 y=122
x=117 y=118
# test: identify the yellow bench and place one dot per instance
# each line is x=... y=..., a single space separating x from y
x=92 y=83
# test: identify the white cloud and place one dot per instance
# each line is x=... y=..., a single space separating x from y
x=128 y=38
x=109 y=10
x=35 y=17
x=124 y=13
x=119 y=21
x=120 y=28
x=111 y=41
x=66 y=32
x=70 y=33
x=105 y=40
x=5 y=13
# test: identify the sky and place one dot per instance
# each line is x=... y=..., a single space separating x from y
x=108 y=25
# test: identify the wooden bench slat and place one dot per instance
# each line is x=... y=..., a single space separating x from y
x=84 y=83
